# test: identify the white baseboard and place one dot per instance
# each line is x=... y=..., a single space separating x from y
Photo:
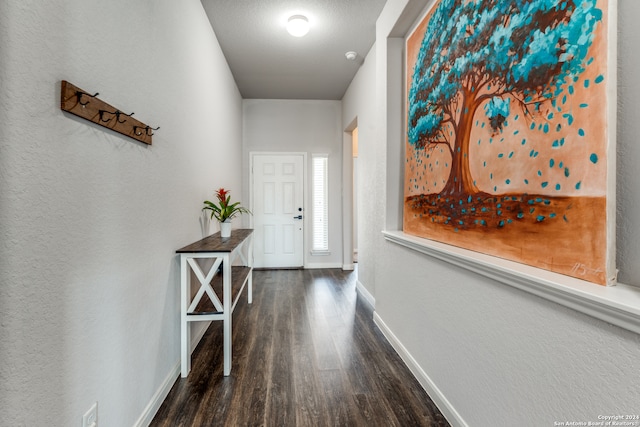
x=364 y=293
x=158 y=398
x=429 y=386
x=160 y=395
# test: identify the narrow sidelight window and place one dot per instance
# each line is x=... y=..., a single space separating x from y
x=320 y=203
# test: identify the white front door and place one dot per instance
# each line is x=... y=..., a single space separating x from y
x=277 y=194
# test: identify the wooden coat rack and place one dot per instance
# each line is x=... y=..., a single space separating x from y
x=82 y=104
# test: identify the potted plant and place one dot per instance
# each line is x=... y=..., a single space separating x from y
x=223 y=210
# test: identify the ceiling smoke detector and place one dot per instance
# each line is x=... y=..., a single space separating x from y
x=351 y=55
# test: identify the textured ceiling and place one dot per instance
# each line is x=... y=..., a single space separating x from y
x=268 y=63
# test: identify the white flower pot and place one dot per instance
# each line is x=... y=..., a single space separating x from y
x=225 y=229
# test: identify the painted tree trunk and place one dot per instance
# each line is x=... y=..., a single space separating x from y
x=460 y=181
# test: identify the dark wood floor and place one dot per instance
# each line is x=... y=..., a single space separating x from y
x=305 y=353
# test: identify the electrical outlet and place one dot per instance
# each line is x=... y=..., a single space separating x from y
x=90 y=418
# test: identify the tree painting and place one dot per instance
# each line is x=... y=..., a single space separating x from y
x=507 y=137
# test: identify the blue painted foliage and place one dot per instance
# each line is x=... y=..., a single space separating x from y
x=486 y=53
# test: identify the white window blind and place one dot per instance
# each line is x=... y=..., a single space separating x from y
x=320 y=204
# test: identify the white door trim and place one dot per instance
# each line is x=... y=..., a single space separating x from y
x=305 y=188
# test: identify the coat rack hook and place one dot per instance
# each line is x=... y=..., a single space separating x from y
x=79 y=96
x=149 y=130
x=102 y=114
x=119 y=113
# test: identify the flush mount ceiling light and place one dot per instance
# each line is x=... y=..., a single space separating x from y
x=298 y=25
x=351 y=55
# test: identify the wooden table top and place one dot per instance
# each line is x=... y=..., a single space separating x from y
x=215 y=243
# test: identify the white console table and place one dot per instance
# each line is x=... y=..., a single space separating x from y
x=221 y=277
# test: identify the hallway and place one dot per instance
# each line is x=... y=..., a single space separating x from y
x=305 y=353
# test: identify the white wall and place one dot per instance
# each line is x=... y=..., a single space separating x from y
x=89 y=219
x=498 y=356
x=359 y=103
x=306 y=126
x=628 y=194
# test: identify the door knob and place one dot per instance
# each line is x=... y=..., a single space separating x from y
x=297 y=217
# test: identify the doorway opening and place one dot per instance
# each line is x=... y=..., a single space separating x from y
x=354 y=150
x=350 y=196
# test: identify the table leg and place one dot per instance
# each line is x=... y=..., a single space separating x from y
x=185 y=330
x=228 y=303
x=250 y=264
